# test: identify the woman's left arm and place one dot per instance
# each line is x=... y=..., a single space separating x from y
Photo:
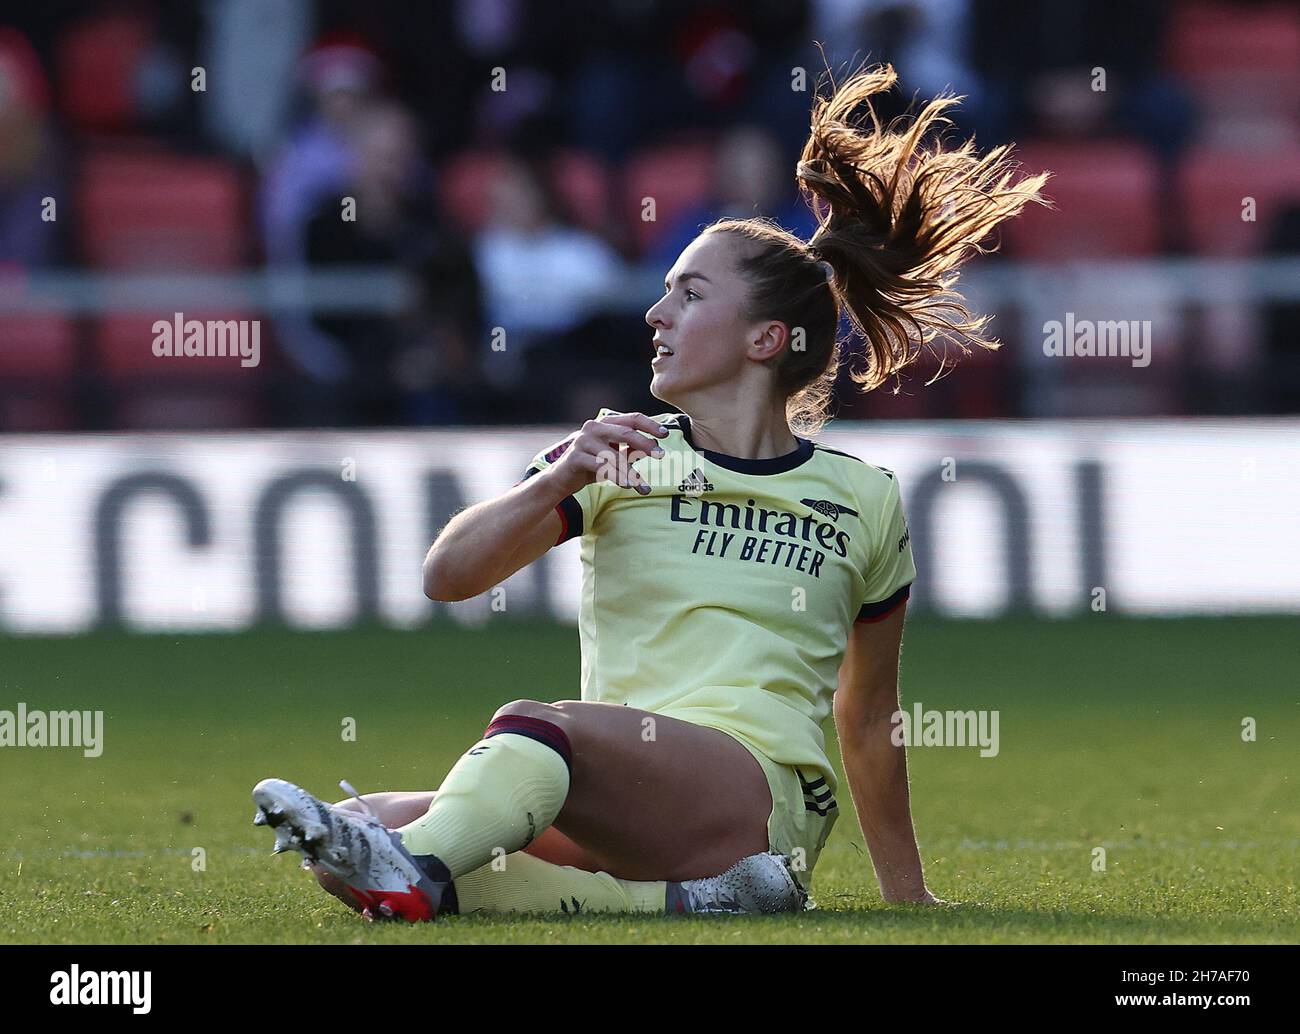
x=865 y=702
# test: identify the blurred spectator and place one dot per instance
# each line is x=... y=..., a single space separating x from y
x=1281 y=319
x=416 y=368
x=644 y=71
x=341 y=76
x=696 y=103
x=751 y=177
x=29 y=166
x=927 y=40
x=624 y=88
x=1040 y=63
x=542 y=279
x=250 y=53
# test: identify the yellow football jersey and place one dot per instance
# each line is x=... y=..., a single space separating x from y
x=725 y=597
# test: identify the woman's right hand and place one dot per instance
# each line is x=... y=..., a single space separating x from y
x=594 y=452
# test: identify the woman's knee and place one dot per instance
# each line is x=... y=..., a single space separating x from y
x=554 y=713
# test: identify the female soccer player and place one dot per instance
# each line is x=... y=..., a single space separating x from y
x=740 y=581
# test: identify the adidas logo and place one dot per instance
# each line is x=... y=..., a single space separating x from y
x=695 y=483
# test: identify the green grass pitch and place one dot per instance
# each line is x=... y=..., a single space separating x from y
x=1116 y=733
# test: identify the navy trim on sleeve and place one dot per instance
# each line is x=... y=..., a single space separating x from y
x=571 y=513
x=873 y=612
x=569 y=509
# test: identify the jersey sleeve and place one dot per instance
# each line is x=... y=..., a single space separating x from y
x=890 y=569
x=577 y=511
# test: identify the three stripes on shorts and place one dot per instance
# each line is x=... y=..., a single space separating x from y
x=817 y=795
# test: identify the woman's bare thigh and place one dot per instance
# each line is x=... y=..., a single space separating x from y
x=650 y=797
x=653 y=797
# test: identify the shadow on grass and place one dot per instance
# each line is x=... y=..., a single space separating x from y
x=963 y=921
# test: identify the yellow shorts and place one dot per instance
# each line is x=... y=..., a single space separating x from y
x=803 y=812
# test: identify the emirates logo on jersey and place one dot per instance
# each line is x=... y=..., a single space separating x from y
x=763 y=522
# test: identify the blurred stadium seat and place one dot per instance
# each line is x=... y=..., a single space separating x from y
x=150 y=210
x=585 y=188
x=37 y=364
x=1238 y=59
x=1212 y=185
x=582 y=181
x=1239 y=38
x=186 y=407
x=982 y=387
x=1110 y=385
x=677 y=176
x=30 y=409
x=98 y=60
x=465 y=187
x=36 y=346
x=158 y=392
x=913 y=402
x=124 y=345
x=1106 y=193
x=1148 y=172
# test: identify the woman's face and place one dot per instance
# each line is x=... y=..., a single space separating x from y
x=700 y=320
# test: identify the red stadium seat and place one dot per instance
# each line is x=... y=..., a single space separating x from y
x=158 y=211
x=581 y=180
x=180 y=408
x=584 y=185
x=981 y=385
x=1243 y=38
x=36 y=410
x=38 y=355
x=1106 y=195
x=914 y=402
x=677 y=176
x=1212 y=184
x=1239 y=60
x=170 y=392
x=36 y=346
x=123 y=346
x=465 y=187
x=98 y=60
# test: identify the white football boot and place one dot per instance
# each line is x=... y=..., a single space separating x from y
x=386 y=880
x=758 y=884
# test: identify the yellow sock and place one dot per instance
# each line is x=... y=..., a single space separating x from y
x=522 y=883
x=501 y=794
